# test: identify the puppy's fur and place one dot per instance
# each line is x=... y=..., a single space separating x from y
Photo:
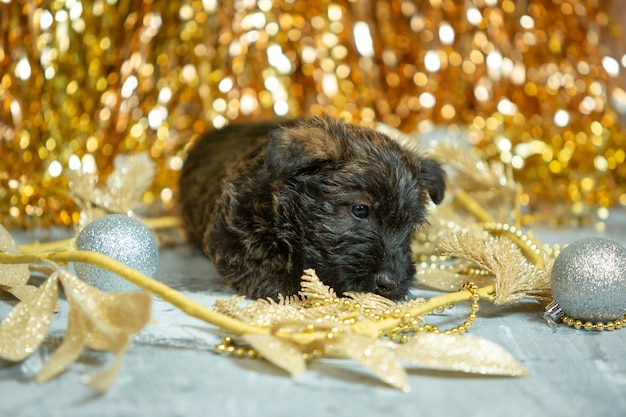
x=267 y=200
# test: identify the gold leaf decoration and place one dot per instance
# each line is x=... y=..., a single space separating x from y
x=313 y=288
x=102 y=379
x=110 y=318
x=451 y=279
x=121 y=195
x=118 y=195
x=69 y=350
x=491 y=182
x=515 y=276
x=373 y=354
x=11 y=276
x=371 y=300
x=23 y=292
x=465 y=353
x=282 y=353
x=229 y=306
x=268 y=313
x=23 y=330
x=97 y=319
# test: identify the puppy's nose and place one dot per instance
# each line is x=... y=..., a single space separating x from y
x=385 y=284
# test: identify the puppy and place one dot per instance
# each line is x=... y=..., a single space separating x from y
x=267 y=200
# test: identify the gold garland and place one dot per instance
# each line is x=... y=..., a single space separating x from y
x=473 y=236
x=538 y=87
x=363 y=320
x=317 y=323
x=597 y=326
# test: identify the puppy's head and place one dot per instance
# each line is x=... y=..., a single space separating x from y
x=348 y=203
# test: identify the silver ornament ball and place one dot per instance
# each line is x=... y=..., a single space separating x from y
x=122 y=238
x=589 y=280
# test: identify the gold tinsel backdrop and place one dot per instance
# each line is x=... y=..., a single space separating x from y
x=532 y=83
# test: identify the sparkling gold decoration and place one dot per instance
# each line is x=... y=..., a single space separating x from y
x=408 y=328
x=465 y=354
x=599 y=326
x=288 y=333
x=282 y=353
x=118 y=195
x=475 y=234
x=25 y=327
x=536 y=87
x=14 y=277
x=367 y=328
x=98 y=320
x=481 y=216
x=373 y=355
x=315 y=302
x=504 y=261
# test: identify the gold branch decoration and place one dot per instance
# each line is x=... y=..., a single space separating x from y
x=117 y=195
x=515 y=277
x=14 y=278
x=98 y=320
x=476 y=234
x=317 y=323
x=381 y=335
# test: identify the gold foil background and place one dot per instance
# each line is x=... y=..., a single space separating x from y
x=538 y=85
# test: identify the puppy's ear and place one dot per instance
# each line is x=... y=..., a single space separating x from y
x=300 y=148
x=433 y=177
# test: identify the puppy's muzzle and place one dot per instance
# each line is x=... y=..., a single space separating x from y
x=385 y=284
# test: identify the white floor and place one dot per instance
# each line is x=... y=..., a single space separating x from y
x=171 y=369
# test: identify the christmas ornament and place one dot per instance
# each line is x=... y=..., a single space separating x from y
x=122 y=238
x=589 y=281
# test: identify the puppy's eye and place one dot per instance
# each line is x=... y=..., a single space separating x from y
x=360 y=211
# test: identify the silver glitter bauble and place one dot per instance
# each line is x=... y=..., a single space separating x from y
x=589 y=280
x=122 y=238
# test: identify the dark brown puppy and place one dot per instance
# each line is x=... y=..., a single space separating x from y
x=267 y=200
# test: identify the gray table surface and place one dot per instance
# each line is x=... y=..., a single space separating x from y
x=171 y=369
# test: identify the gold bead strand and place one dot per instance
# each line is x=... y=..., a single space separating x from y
x=230 y=348
x=409 y=326
x=598 y=326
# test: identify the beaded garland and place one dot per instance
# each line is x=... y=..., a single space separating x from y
x=540 y=88
x=370 y=329
x=402 y=333
x=598 y=326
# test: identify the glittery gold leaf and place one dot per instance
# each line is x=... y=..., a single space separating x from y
x=265 y=313
x=371 y=300
x=11 y=276
x=120 y=194
x=70 y=348
x=313 y=288
x=23 y=292
x=372 y=354
x=229 y=306
x=23 y=330
x=260 y=312
x=452 y=279
x=515 y=276
x=280 y=352
x=110 y=318
x=469 y=171
x=82 y=186
x=459 y=353
x=102 y=379
x=97 y=319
